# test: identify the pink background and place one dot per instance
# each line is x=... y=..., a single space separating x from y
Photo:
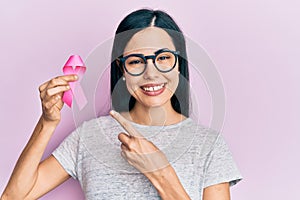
x=255 y=45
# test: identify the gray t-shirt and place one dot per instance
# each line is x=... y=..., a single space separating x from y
x=91 y=154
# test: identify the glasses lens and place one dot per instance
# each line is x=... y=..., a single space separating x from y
x=165 y=61
x=135 y=64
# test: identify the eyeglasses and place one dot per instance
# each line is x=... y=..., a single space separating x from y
x=164 y=60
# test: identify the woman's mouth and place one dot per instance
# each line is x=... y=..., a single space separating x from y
x=153 y=89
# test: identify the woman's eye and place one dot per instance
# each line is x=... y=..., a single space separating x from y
x=163 y=57
x=135 y=62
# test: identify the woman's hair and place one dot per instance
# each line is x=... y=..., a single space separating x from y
x=130 y=25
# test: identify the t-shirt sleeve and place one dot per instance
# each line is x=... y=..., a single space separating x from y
x=220 y=166
x=67 y=153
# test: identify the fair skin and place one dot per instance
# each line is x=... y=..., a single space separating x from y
x=158 y=108
x=32 y=178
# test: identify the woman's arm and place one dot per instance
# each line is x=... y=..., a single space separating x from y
x=169 y=187
x=167 y=184
x=217 y=192
x=30 y=178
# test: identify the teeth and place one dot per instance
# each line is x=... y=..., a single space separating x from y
x=155 y=88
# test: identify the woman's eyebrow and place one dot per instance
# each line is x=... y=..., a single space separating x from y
x=159 y=50
x=154 y=53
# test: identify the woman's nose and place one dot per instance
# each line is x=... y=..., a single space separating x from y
x=150 y=71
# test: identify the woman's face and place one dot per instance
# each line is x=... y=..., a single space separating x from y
x=152 y=88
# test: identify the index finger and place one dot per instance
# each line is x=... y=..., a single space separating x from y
x=68 y=78
x=125 y=124
x=59 y=80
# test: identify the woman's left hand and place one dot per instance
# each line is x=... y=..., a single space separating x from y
x=137 y=150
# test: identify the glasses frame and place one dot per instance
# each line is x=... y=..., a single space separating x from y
x=145 y=58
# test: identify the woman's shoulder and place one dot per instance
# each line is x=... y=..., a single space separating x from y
x=197 y=126
x=201 y=133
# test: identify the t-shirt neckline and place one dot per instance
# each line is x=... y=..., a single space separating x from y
x=183 y=122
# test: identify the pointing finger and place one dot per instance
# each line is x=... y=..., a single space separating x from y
x=125 y=124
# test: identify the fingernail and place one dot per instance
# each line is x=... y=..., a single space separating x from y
x=112 y=112
x=75 y=76
x=68 y=87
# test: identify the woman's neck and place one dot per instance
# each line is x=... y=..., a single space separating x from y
x=155 y=116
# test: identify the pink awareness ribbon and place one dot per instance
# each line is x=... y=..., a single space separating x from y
x=75 y=65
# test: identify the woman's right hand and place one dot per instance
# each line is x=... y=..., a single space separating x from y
x=51 y=96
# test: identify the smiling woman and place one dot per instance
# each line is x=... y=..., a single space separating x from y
x=150 y=148
x=144 y=32
x=153 y=86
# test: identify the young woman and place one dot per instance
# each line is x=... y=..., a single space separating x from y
x=150 y=148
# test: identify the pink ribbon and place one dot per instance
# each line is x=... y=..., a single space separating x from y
x=75 y=65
